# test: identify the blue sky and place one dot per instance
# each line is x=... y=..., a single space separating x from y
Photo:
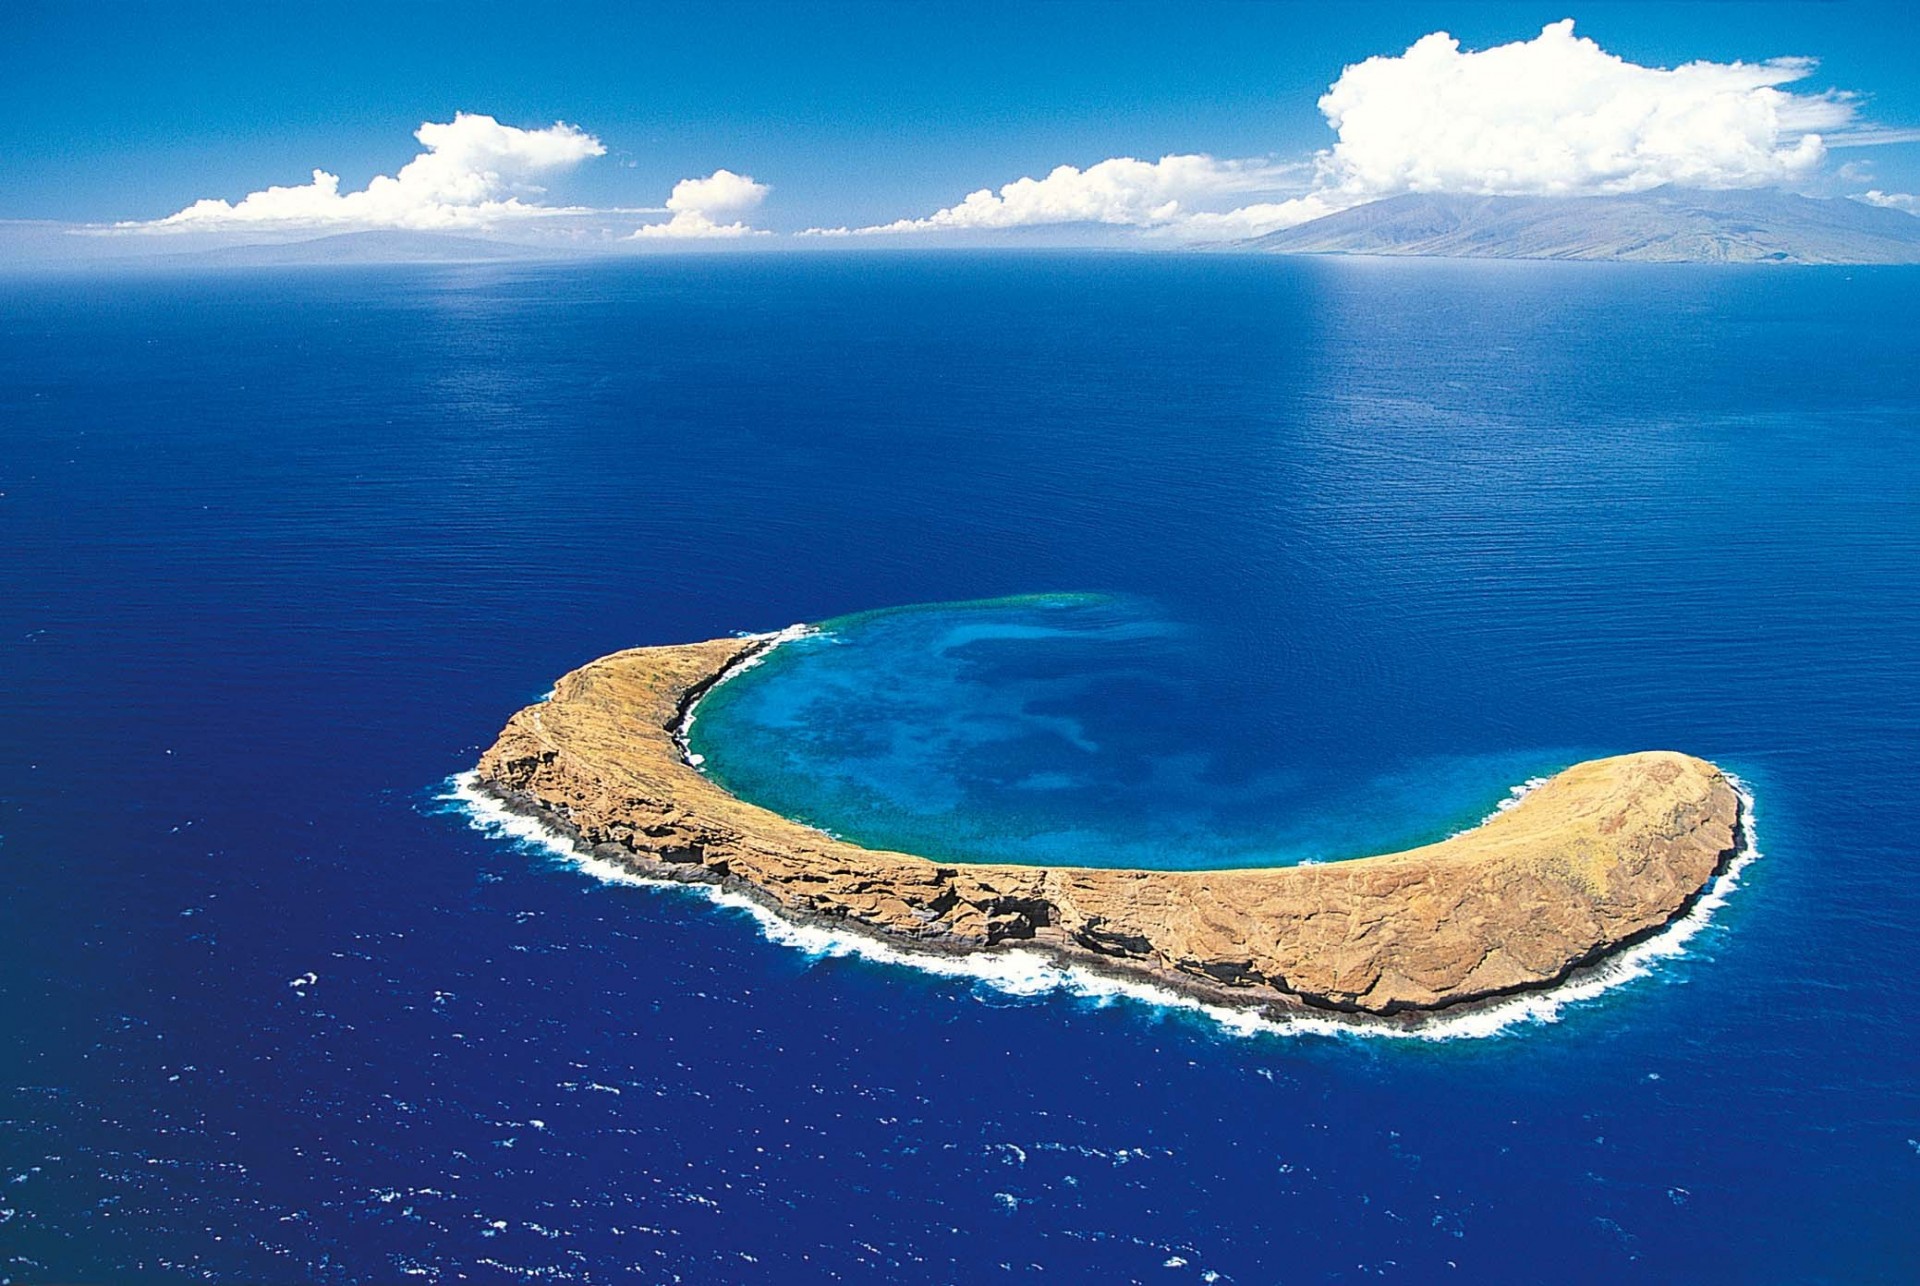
x=850 y=114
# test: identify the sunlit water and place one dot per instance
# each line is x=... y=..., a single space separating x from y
x=280 y=552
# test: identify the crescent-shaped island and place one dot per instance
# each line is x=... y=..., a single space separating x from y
x=1603 y=855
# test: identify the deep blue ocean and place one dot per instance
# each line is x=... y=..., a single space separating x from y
x=1329 y=555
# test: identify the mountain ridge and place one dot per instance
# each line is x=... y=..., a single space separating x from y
x=370 y=246
x=1666 y=225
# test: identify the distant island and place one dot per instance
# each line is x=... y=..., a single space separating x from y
x=1667 y=225
x=384 y=246
x=1604 y=854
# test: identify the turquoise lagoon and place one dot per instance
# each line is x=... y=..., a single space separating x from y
x=1069 y=729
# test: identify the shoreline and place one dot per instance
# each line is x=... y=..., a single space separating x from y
x=493 y=814
x=758 y=648
x=1534 y=898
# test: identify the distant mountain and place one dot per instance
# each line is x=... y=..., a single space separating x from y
x=362 y=248
x=1667 y=225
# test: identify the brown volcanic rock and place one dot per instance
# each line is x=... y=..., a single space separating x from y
x=1603 y=854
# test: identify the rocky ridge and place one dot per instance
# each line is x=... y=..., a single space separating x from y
x=1604 y=854
x=1666 y=225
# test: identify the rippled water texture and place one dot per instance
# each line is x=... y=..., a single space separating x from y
x=1360 y=544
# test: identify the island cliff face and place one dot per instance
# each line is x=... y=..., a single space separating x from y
x=1604 y=854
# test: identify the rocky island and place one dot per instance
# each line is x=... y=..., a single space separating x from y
x=1604 y=854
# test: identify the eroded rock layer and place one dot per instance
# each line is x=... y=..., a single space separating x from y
x=1603 y=854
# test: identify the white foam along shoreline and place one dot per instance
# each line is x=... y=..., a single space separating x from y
x=683 y=730
x=1024 y=972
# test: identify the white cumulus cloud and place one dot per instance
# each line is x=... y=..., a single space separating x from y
x=1554 y=115
x=1121 y=191
x=1891 y=200
x=1256 y=220
x=474 y=172
x=1558 y=115
x=699 y=206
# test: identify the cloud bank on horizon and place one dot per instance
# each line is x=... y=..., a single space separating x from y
x=1555 y=115
x=1552 y=116
x=1125 y=192
x=475 y=174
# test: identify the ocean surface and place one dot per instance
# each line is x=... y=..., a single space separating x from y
x=1186 y=561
